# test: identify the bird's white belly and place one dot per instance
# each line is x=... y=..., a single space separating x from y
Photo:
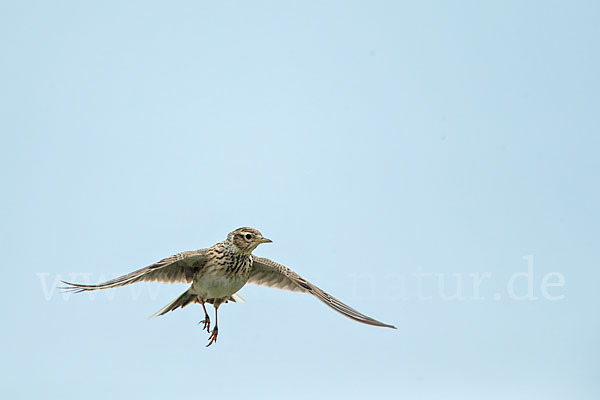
x=212 y=287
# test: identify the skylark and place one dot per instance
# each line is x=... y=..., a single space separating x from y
x=217 y=273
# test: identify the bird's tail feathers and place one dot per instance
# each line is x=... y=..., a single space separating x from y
x=183 y=300
x=236 y=298
x=187 y=298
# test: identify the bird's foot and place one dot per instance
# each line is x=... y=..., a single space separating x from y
x=206 y=323
x=213 y=336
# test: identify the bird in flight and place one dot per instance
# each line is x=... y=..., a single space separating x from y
x=217 y=273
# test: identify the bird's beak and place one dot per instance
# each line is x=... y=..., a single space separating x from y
x=265 y=240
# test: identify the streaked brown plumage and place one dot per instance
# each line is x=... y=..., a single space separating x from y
x=217 y=273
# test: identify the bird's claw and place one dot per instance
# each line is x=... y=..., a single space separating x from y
x=206 y=323
x=213 y=336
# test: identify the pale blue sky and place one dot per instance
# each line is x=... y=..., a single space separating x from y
x=374 y=142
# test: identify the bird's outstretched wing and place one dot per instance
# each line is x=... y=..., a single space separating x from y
x=179 y=268
x=271 y=274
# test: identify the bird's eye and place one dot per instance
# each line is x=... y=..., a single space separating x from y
x=248 y=236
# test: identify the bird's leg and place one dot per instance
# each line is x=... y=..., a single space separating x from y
x=215 y=332
x=206 y=321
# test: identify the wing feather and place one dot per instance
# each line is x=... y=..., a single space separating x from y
x=271 y=274
x=178 y=268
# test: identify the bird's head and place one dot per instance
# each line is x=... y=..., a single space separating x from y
x=246 y=239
